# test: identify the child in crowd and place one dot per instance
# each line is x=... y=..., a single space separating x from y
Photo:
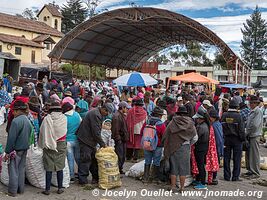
x=106 y=134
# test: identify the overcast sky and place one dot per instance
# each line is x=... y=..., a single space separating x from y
x=224 y=17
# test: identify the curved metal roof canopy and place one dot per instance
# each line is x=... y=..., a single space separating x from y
x=124 y=38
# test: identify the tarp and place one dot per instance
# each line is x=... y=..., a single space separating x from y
x=29 y=72
x=32 y=73
x=261 y=84
x=65 y=77
x=193 y=78
x=235 y=86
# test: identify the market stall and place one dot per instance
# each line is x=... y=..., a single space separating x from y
x=193 y=78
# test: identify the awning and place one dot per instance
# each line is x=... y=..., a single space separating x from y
x=8 y=56
x=235 y=86
x=193 y=78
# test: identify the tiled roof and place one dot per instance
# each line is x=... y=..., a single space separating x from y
x=41 y=38
x=7 y=55
x=54 y=10
x=27 y=25
x=18 y=40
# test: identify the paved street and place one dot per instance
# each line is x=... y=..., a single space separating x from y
x=135 y=187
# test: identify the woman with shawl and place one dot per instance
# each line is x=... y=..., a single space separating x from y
x=179 y=135
x=52 y=140
x=136 y=117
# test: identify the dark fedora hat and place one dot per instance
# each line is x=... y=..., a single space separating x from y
x=157 y=110
x=254 y=99
x=214 y=114
x=55 y=105
x=242 y=105
x=138 y=101
x=20 y=105
x=233 y=104
x=34 y=101
x=182 y=110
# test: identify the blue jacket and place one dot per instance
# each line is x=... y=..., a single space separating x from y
x=19 y=134
x=73 y=120
x=150 y=107
x=218 y=132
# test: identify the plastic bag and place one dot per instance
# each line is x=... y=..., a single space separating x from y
x=137 y=170
x=4 y=174
x=263 y=163
x=188 y=181
x=108 y=170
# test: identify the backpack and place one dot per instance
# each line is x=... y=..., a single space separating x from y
x=150 y=139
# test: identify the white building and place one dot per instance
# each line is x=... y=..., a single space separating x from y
x=214 y=72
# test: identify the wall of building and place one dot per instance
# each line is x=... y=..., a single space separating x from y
x=113 y=73
x=28 y=35
x=256 y=75
x=26 y=53
x=166 y=71
x=50 y=19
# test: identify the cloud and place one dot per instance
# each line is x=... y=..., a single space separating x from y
x=17 y=6
x=175 y=5
x=227 y=28
x=108 y=3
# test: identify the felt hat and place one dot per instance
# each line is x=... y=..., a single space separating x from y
x=182 y=110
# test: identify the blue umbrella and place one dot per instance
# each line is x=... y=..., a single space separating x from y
x=135 y=79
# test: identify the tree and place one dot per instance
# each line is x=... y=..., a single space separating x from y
x=161 y=59
x=192 y=54
x=91 y=6
x=254 y=43
x=73 y=14
x=219 y=60
x=29 y=14
x=82 y=71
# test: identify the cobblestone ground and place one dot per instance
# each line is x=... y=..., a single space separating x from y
x=75 y=192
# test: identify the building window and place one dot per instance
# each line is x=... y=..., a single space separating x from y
x=45 y=19
x=33 y=57
x=48 y=46
x=18 y=50
x=204 y=73
x=0 y=48
x=179 y=73
x=56 y=23
x=223 y=78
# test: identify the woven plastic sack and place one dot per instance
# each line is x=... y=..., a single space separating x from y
x=35 y=172
x=66 y=176
x=137 y=170
x=263 y=163
x=108 y=170
x=4 y=174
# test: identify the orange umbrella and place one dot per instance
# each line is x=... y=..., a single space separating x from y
x=193 y=78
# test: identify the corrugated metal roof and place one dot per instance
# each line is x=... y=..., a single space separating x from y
x=124 y=38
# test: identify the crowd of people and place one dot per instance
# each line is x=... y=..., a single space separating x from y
x=190 y=132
